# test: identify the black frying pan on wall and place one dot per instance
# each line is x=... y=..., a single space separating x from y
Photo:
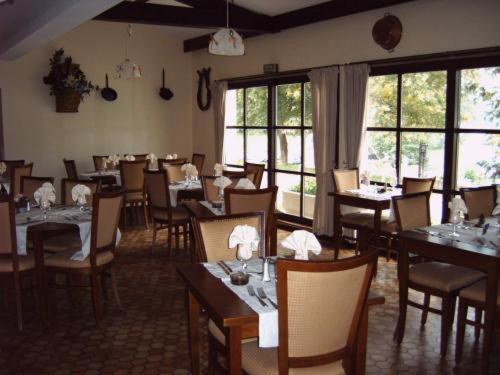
x=108 y=93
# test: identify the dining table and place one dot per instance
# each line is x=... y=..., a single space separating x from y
x=468 y=247
x=233 y=315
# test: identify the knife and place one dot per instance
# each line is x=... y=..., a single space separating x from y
x=225 y=265
x=485 y=228
x=223 y=268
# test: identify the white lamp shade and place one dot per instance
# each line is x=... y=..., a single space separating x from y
x=127 y=69
x=226 y=42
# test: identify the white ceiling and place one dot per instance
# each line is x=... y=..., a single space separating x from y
x=275 y=7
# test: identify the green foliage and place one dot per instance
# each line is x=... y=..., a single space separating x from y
x=309 y=187
x=471 y=175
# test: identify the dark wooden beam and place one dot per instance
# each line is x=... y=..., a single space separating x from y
x=208 y=17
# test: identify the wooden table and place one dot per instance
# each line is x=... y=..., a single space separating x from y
x=458 y=253
x=235 y=317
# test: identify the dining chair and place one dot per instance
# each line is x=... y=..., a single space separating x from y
x=140 y=157
x=318 y=329
x=258 y=172
x=175 y=174
x=418 y=185
x=472 y=296
x=9 y=164
x=16 y=172
x=67 y=185
x=198 y=160
x=210 y=192
x=99 y=163
x=241 y=201
x=30 y=184
x=236 y=175
x=479 y=201
x=162 y=162
x=70 y=167
x=132 y=176
x=13 y=267
x=162 y=213
x=99 y=264
x=431 y=278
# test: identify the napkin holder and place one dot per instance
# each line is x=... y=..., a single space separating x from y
x=239 y=278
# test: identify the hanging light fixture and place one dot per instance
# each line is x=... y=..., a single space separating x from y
x=226 y=41
x=128 y=69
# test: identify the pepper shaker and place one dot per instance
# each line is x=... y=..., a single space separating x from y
x=265 y=271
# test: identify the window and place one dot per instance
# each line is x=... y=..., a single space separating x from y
x=272 y=124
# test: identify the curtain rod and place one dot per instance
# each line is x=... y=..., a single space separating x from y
x=405 y=60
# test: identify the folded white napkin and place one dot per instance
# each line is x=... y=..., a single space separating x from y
x=152 y=158
x=169 y=157
x=456 y=205
x=301 y=241
x=365 y=176
x=79 y=192
x=130 y=158
x=3 y=168
x=245 y=183
x=222 y=182
x=46 y=193
x=496 y=210
x=218 y=169
x=189 y=169
x=114 y=159
x=247 y=237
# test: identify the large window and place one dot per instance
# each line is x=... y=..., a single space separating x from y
x=271 y=124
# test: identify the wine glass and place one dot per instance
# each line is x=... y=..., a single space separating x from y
x=454 y=219
x=393 y=182
x=80 y=202
x=44 y=206
x=243 y=254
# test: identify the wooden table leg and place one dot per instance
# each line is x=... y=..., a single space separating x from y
x=337 y=227
x=43 y=294
x=233 y=343
x=403 y=269
x=490 y=311
x=194 y=332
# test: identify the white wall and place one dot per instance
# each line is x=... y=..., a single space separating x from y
x=139 y=121
x=429 y=26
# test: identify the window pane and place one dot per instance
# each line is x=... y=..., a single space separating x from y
x=478 y=159
x=309 y=196
x=436 y=204
x=264 y=184
x=256 y=106
x=257 y=146
x=424 y=100
x=422 y=155
x=309 y=152
x=382 y=101
x=233 y=146
x=288 y=101
x=379 y=156
x=288 y=199
x=480 y=98
x=288 y=146
x=234 y=108
x=307 y=104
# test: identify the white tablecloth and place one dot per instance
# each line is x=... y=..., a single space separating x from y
x=215 y=211
x=112 y=172
x=6 y=185
x=268 y=316
x=370 y=192
x=176 y=186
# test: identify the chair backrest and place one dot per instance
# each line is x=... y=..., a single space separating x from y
x=70 y=166
x=320 y=307
x=132 y=175
x=106 y=207
x=16 y=173
x=418 y=185
x=345 y=179
x=9 y=164
x=236 y=175
x=30 y=184
x=479 y=200
x=198 y=160
x=179 y=161
x=241 y=201
x=174 y=172
x=258 y=172
x=412 y=210
x=210 y=192
x=68 y=184
x=157 y=183
x=140 y=157
x=8 y=241
x=99 y=162
x=212 y=235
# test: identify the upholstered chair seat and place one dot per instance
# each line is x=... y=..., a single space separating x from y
x=26 y=262
x=178 y=214
x=71 y=242
x=63 y=260
x=477 y=292
x=442 y=276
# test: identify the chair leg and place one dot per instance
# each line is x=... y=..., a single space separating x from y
x=176 y=238
x=19 y=307
x=124 y=215
x=212 y=356
x=96 y=297
x=478 y=318
x=145 y=213
x=425 y=310
x=154 y=237
x=389 y=249
x=104 y=288
x=184 y=235
x=115 y=289
x=446 y=311
x=169 y=248
x=462 y=316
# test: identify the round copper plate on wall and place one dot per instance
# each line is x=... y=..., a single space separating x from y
x=387 y=32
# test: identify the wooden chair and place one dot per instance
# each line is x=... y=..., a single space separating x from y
x=98 y=162
x=9 y=164
x=16 y=172
x=479 y=200
x=70 y=167
x=162 y=212
x=174 y=172
x=418 y=185
x=244 y=201
x=13 y=267
x=162 y=162
x=198 y=160
x=236 y=175
x=67 y=185
x=318 y=327
x=30 y=184
x=210 y=192
x=432 y=278
x=140 y=157
x=258 y=172
x=132 y=176
x=99 y=264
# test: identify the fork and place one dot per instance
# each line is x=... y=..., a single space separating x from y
x=262 y=294
x=251 y=291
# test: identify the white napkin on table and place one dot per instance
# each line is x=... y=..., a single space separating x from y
x=222 y=182
x=171 y=156
x=189 y=169
x=46 y=193
x=114 y=159
x=245 y=183
x=457 y=205
x=247 y=236
x=496 y=210
x=130 y=158
x=301 y=241
x=79 y=192
x=3 y=168
x=152 y=158
x=218 y=169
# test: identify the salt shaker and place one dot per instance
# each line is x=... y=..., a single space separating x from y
x=28 y=206
x=265 y=271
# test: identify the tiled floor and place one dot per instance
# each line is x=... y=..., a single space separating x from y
x=150 y=336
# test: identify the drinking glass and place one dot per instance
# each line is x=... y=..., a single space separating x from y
x=243 y=254
x=454 y=219
x=393 y=182
x=44 y=206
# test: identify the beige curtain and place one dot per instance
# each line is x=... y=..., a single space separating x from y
x=219 y=89
x=324 y=84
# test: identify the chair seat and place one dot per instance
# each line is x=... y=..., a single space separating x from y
x=442 y=276
x=179 y=214
x=362 y=219
x=137 y=196
x=219 y=336
x=261 y=361
x=63 y=260
x=388 y=227
x=26 y=262
x=477 y=292
x=63 y=242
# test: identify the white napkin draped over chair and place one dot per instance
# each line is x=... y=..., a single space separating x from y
x=245 y=183
x=301 y=241
x=79 y=193
x=247 y=236
x=3 y=168
x=46 y=193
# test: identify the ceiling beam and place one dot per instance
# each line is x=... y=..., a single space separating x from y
x=207 y=17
